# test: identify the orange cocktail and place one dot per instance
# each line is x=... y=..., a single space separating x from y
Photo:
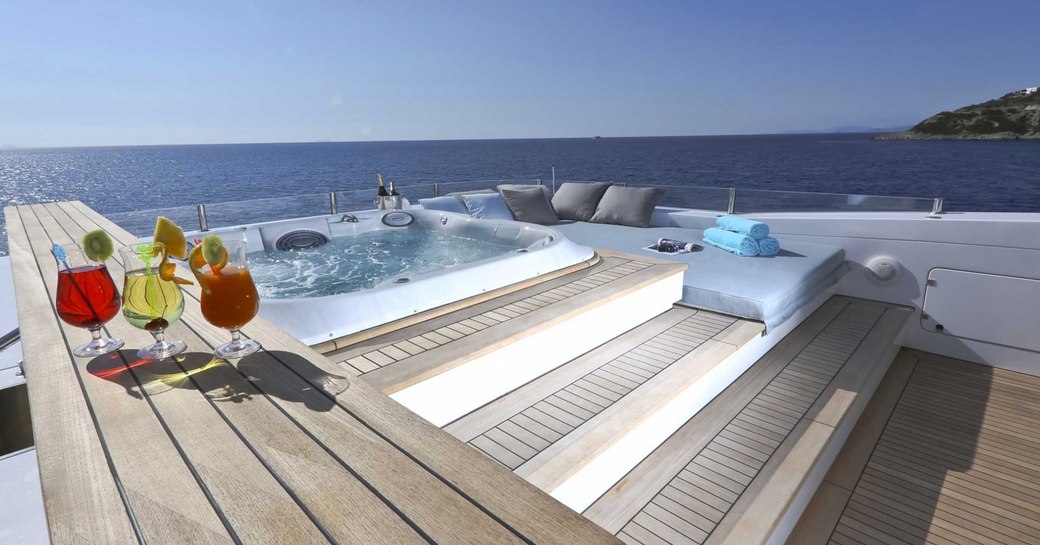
x=231 y=300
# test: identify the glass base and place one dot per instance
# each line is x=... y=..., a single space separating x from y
x=162 y=350
x=236 y=349
x=98 y=347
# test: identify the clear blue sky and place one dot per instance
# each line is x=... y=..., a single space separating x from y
x=142 y=72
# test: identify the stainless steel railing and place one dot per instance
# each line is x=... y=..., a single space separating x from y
x=728 y=200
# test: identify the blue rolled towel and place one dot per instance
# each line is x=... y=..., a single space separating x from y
x=768 y=246
x=756 y=229
x=742 y=245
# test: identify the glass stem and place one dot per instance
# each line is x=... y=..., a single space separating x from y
x=235 y=336
x=95 y=334
x=159 y=339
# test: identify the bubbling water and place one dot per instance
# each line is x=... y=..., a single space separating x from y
x=350 y=264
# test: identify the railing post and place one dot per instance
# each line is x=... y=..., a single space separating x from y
x=203 y=225
x=332 y=202
x=732 y=206
x=436 y=190
x=538 y=182
x=623 y=184
x=937 y=208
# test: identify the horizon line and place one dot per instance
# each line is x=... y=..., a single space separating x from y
x=10 y=147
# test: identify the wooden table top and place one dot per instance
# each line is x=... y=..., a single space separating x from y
x=279 y=447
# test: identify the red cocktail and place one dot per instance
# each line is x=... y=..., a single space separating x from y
x=86 y=297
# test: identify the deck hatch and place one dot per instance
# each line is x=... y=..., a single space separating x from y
x=983 y=307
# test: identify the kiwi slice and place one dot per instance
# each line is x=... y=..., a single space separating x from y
x=97 y=246
x=213 y=251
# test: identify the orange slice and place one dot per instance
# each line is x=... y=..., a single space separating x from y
x=195 y=263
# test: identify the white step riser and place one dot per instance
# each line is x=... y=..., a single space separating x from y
x=445 y=397
x=590 y=482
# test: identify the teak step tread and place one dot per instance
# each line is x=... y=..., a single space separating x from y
x=551 y=427
x=729 y=474
x=396 y=360
x=937 y=457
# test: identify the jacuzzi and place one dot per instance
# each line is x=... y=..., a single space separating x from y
x=524 y=251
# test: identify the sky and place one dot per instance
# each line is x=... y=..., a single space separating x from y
x=184 y=72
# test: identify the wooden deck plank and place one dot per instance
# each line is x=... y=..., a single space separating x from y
x=489 y=415
x=622 y=501
x=69 y=445
x=468 y=344
x=762 y=457
x=353 y=511
x=126 y=420
x=932 y=461
x=271 y=457
x=484 y=488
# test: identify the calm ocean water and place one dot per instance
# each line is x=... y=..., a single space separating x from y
x=983 y=176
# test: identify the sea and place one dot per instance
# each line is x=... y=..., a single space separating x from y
x=969 y=175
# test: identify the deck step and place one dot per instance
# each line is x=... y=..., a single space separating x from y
x=446 y=366
x=946 y=452
x=741 y=470
x=550 y=428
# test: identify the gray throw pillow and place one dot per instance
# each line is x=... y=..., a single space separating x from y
x=529 y=204
x=574 y=201
x=545 y=188
x=630 y=206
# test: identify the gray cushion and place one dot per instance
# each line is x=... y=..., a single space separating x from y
x=470 y=192
x=529 y=204
x=630 y=206
x=444 y=204
x=487 y=206
x=574 y=201
x=545 y=188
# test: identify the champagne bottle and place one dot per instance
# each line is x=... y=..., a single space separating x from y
x=393 y=192
x=382 y=189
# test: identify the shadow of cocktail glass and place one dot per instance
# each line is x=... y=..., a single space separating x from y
x=285 y=375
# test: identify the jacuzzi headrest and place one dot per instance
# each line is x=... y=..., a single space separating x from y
x=300 y=240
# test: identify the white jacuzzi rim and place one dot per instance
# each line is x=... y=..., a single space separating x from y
x=308 y=318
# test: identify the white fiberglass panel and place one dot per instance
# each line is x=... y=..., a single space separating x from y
x=991 y=308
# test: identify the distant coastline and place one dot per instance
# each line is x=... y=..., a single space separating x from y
x=909 y=135
x=1014 y=116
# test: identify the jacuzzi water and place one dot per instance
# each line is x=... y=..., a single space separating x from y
x=354 y=263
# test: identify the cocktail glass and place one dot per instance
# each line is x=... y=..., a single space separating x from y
x=149 y=302
x=230 y=300
x=87 y=298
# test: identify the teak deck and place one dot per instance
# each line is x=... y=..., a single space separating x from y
x=947 y=452
x=729 y=474
x=547 y=429
x=279 y=447
x=408 y=355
